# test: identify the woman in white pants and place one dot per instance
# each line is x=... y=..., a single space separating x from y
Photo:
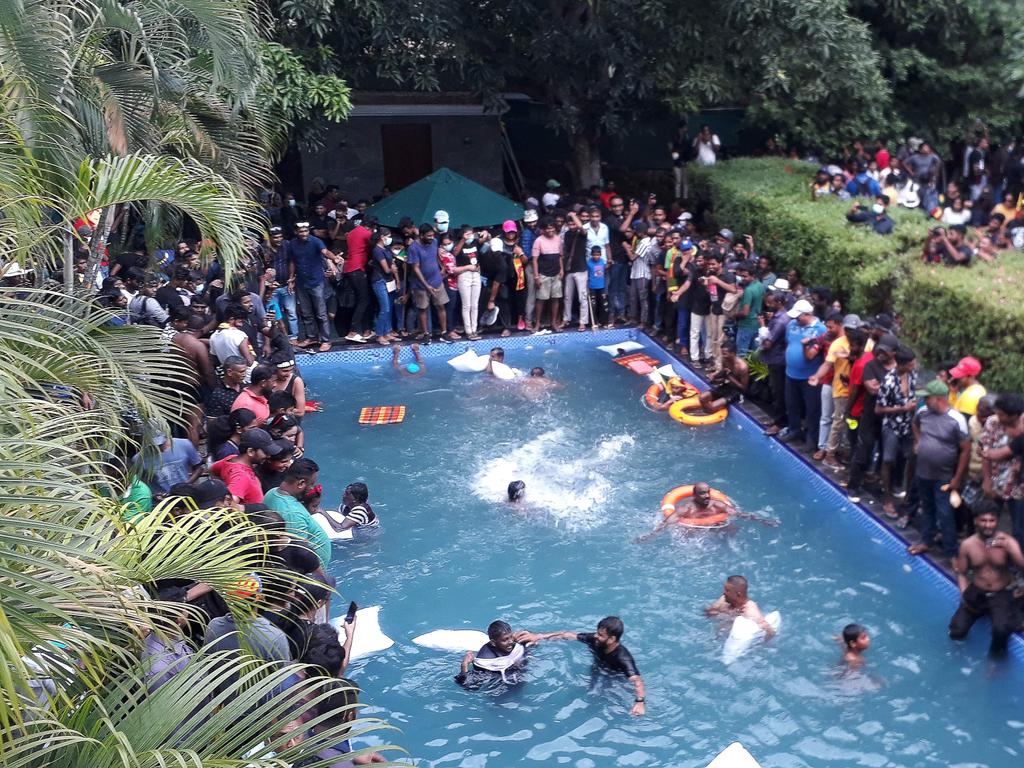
x=467 y=271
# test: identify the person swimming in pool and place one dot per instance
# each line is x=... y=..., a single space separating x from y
x=698 y=506
x=417 y=368
x=855 y=642
x=735 y=602
x=516 y=491
x=502 y=658
x=609 y=653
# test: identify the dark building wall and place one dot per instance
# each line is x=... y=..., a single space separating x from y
x=352 y=155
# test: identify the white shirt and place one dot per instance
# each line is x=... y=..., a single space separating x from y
x=951 y=217
x=225 y=342
x=597 y=236
x=707 y=152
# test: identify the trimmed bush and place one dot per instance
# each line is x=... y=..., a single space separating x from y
x=769 y=198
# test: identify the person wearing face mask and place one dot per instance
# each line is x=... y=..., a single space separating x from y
x=354 y=271
x=382 y=280
x=446 y=255
x=467 y=278
x=289 y=214
x=876 y=216
x=441 y=222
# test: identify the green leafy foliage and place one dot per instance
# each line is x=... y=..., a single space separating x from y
x=945 y=312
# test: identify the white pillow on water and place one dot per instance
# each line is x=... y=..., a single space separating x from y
x=332 y=534
x=453 y=640
x=502 y=371
x=622 y=346
x=734 y=756
x=369 y=638
x=469 y=362
x=745 y=633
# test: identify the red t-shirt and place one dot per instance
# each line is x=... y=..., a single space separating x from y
x=825 y=343
x=358 y=249
x=240 y=479
x=857 y=378
x=254 y=403
x=882 y=159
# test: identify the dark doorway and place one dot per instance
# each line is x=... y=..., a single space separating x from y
x=408 y=153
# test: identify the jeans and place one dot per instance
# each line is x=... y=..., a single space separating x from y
x=286 y=301
x=314 y=312
x=803 y=402
x=638 y=293
x=825 y=425
x=469 y=293
x=382 y=324
x=576 y=286
x=745 y=340
x=936 y=512
x=999 y=606
x=452 y=309
x=682 y=326
x=618 y=278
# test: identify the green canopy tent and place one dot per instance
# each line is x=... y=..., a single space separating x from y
x=465 y=201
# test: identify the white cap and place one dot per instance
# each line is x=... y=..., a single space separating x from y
x=685 y=216
x=780 y=284
x=802 y=307
x=13 y=269
x=497 y=245
x=441 y=216
x=530 y=215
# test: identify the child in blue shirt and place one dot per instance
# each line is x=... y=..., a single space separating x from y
x=596 y=282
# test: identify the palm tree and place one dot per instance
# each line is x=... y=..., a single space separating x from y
x=72 y=613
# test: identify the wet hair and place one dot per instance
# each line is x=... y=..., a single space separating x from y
x=499 y=351
x=986 y=509
x=220 y=429
x=323 y=650
x=536 y=372
x=738 y=582
x=1010 y=403
x=851 y=632
x=612 y=625
x=302 y=469
x=280 y=401
x=497 y=629
x=728 y=345
x=516 y=489
x=359 y=491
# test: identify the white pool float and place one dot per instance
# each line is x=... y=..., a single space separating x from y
x=745 y=633
x=369 y=637
x=469 y=362
x=662 y=374
x=452 y=640
x=734 y=756
x=332 y=533
x=503 y=372
x=622 y=346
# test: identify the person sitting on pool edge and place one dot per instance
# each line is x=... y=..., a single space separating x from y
x=609 y=653
x=502 y=656
x=855 y=641
x=735 y=602
x=699 y=505
x=417 y=368
x=729 y=383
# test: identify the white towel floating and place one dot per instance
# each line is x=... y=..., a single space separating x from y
x=734 y=756
x=744 y=634
x=622 y=346
x=453 y=640
x=369 y=638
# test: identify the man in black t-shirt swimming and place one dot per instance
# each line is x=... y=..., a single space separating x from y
x=608 y=652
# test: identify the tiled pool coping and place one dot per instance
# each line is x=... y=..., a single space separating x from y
x=888 y=536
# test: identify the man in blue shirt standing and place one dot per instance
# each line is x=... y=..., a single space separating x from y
x=803 y=353
x=428 y=281
x=309 y=261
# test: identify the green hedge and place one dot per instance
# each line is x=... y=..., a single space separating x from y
x=945 y=312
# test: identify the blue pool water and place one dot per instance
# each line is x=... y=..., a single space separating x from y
x=451 y=554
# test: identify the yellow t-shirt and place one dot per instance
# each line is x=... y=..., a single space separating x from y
x=842 y=365
x=967 y=401
x=1009 y=214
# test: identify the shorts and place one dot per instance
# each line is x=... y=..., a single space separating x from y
x=549 y=287
x=423 y=299
x=726 y=392
x=894 y=445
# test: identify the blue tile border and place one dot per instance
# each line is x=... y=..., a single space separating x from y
x=871 y=523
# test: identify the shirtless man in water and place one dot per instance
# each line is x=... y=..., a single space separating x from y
x=702 y=505
x=985 y=559
x=735 y=602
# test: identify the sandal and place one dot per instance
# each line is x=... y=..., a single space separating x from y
x=325 y=347
x=918 y=549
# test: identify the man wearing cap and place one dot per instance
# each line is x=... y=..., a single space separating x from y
x=309 y=262
x=526 y=240
x=803 y=399
x=254 y=395
x=279 y=457
x=943 y=447
x=212 y=494
x=551 y=197
x=966 y=390
x=428 y=282
x=239 y=472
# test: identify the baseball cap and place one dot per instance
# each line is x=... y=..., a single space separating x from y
x=280 y=447
x=552 y=184
x=276 y=230
x=441 y=217
x=159 y=439
x=802 y=307
x=725 y=234
x=780 y=284
x=888 y=343
x=509 y=226
x=530 y=215
x=934 y=388
x=497 y=245
x=853 y=322
x=686 y=245
x=883 y=321
x=684 y=216
x=968 y=366
x=255 y=438
x=209 y=493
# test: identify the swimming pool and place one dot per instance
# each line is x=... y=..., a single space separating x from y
x=450 y=554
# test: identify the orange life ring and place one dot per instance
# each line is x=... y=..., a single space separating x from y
x=677 y=494
x=655 y=390
x=681 y=411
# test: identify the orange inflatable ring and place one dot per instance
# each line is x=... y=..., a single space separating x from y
x=681 y=412
x=655 y=390
x=673 y=497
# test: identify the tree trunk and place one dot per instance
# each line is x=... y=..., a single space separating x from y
x=69 y=259
x=586 y=160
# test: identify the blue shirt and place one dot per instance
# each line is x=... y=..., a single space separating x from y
x=426 y=257
x=595 y=270
x=308 y=260
x=526 y=240
x=169 y=467
x=797 y=365
x=862 y=181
